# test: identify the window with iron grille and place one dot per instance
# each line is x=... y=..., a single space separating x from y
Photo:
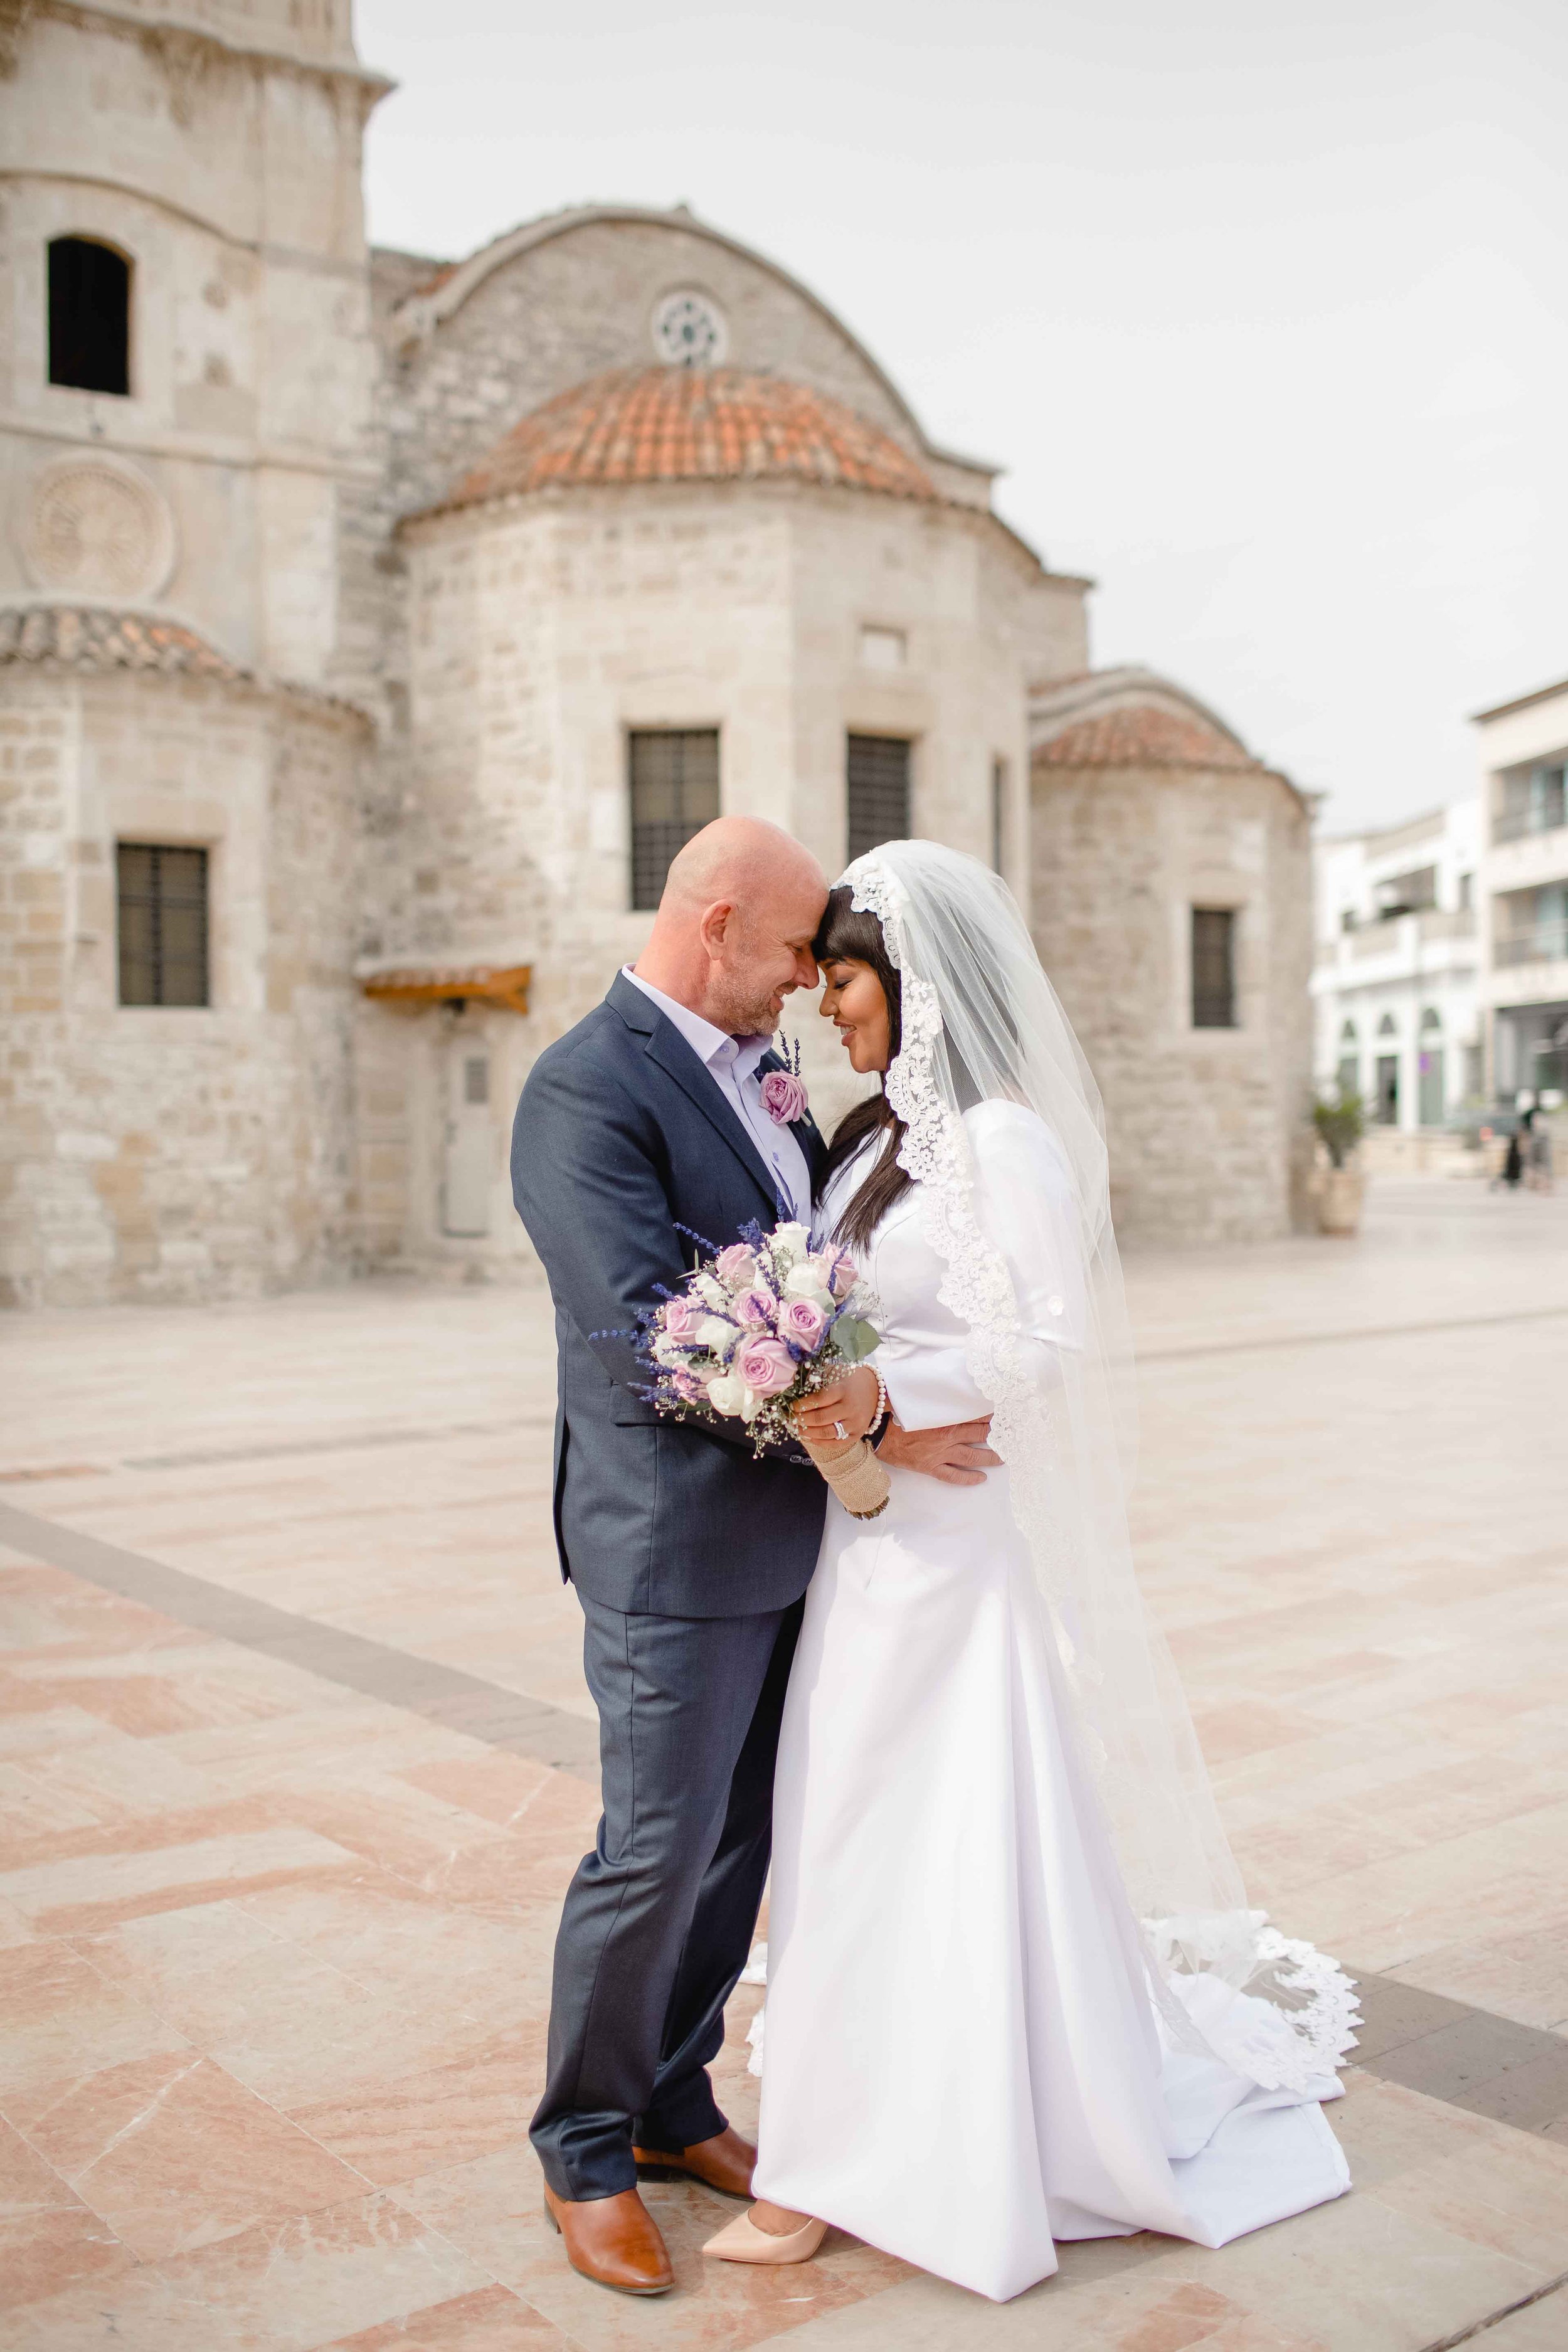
x=162 y=925
x=673 y=777
x=1213 y=968
x=90 y=316
x=878 y=772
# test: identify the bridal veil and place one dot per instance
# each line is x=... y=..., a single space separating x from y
x=981 y=1023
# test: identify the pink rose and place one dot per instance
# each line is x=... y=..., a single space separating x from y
x=803 y=1323
x=735 y=1265
x=784 y=1097
x=682 y=1320
x=755 y=1308
x=687 y=1385
x=844 y=1277
x=767 y=1366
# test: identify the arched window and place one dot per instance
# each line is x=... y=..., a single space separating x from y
x=1348 y=1070
x=1385 y=1027
x=89 y=315
x=1431 y=1019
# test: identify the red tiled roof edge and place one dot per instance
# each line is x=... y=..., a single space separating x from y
x=672 y=424
x=85 y=637
x=106 y=638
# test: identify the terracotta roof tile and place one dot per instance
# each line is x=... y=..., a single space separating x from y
x=104 y=638
x=1141 y=735
x=85 y=637
x=686 y=424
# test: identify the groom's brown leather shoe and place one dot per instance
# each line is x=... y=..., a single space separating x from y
x=613 y=2240
x=723 y=2162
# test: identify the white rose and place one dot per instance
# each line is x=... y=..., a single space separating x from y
x=718 y=1337
x=752 y=1404
x=790 y=1243
x=727 y=1393
x=711 y=1290
x=666 y=1350
x=804 y=1282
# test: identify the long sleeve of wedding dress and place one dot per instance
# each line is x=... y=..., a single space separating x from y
x=1024 y=1206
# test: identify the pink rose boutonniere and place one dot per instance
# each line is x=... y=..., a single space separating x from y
x=784 y=1097
x=783 y=1091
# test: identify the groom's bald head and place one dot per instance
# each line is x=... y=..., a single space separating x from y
x=742 y=859
x=733 y=931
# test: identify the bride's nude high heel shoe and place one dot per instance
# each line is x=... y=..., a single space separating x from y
x=741 y=2241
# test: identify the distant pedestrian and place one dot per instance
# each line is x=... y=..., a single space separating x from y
x=1512 y=1167
x=1538 y=1153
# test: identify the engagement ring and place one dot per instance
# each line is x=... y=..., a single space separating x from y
x=840 y=1432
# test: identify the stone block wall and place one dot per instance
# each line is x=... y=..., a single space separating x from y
x=1206 y=1127
x=165 y=1153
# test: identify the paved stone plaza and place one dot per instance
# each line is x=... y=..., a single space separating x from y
x=298 y=1759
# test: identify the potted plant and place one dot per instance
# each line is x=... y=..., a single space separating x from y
x=1341 y=1124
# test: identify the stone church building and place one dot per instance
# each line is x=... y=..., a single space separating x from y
x=373 y=629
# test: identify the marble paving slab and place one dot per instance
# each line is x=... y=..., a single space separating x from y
x=296 y=1760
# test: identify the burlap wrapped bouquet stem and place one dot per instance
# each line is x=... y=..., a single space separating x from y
x=852 y=1470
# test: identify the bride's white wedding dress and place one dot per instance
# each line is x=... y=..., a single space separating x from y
x=963 y=2059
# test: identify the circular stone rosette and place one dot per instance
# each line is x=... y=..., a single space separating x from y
x=96 y=527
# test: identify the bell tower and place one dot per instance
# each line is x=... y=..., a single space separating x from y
x=190 y=369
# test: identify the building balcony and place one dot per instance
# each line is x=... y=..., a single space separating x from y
x=1533 y=979
x=1527 y=859
x=1513 y=825
x=1547 y=943
x=1446 y=923
x=1442 y=940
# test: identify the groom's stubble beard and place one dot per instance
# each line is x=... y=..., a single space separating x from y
x=742 y=1012
x=740 y=1003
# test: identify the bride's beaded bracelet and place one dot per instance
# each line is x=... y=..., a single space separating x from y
x=883 y=1408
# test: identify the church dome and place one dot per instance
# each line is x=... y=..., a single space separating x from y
x=693 y=425
x=1128 y=717
x=1141 y=735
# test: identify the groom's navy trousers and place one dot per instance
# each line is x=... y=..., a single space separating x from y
x=689 y=1558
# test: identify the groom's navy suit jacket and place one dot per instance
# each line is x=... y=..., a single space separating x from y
x=621 y=1138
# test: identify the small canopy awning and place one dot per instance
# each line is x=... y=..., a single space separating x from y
x=466 y=984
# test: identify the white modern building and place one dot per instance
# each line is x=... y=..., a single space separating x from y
x=1523 y=893
x=1396 y=1003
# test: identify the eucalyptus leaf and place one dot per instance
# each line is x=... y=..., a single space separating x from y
x=853 y=1339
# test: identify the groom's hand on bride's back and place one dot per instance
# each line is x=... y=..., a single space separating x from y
x=958 y=1455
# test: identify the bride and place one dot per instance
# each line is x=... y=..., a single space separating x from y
x=1014 y=1992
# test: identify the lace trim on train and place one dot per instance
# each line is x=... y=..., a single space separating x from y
x=1291 y=2024
x=1290 y=2039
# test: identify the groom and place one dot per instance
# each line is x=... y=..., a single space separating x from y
x=689 y=1557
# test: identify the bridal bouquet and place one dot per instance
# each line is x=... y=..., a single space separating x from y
x=756 y=1327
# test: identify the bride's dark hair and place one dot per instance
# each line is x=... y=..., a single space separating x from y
x=852 y=933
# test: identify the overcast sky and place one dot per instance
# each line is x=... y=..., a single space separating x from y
x=1262 y=304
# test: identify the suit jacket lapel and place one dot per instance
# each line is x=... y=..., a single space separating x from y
x=668 y=1048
